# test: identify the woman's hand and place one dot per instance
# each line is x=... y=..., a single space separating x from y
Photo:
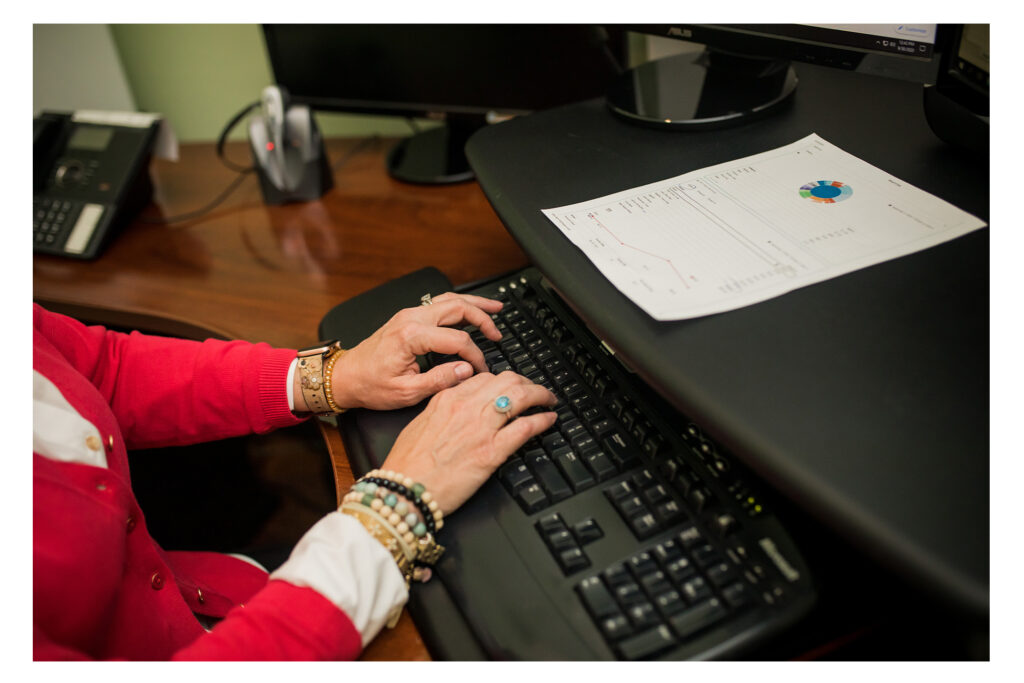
x=381 y=372
x=454 y=445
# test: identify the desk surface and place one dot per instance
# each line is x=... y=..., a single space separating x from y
x=863 y=398
x=250 y=271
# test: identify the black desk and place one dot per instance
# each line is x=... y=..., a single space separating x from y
x=864 y=399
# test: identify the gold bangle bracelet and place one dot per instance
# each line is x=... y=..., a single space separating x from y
x=384 y=534
x=328 y=376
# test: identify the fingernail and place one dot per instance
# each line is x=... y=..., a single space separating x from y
x=463 y=370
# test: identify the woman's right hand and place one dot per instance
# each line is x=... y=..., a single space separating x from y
x=460 y=439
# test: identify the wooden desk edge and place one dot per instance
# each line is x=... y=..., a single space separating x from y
x=402 y=643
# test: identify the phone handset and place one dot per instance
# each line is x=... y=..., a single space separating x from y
x=273 y=122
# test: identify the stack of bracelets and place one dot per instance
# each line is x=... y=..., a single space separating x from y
x=402 y=516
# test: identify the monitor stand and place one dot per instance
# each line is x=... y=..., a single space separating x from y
x=435 y=156
x=715 y=89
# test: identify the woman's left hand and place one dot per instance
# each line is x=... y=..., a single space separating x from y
x=381 y=372
x=461 y=437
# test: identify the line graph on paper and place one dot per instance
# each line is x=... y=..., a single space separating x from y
x=738 y=233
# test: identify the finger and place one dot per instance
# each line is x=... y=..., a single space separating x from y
x=512 y=436
x=421 y=385
x=511 y=395
x=489 y=305
x=458 y=311
x=448 y=341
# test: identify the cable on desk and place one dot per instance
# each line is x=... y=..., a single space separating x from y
x=242 y=175
x=355 y=149
x=243 y=171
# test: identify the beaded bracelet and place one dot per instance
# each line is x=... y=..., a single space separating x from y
x=393 y=514
x=424 y=549
x=380 y=515
x=433 y=518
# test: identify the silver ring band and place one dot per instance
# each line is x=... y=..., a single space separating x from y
x=425 y=300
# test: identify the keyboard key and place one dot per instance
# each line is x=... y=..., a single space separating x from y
x=656 y=494
x=737 y=595
x=572 y=428
x=680 y=570
x=642 y=564
x=669 y=513
x=690 y=536
x=699 y=497
x=597 y=599
x=600 y=464
x=643 y=615
x=617 y=575
x=648 y=643
x=725 y=524
x=669 y=602
x=697 y=618
x=695 y=590
x=631 y=507
x=553 y=442
x=620 y=491
x=550 y=524
x=587 y=531
x=620 y=451
x=514 y=475
x=583 y=441
x=706 y=555
x=655 y=583
x=573 y=560
x=575 y=472
x=721 y=573
x=616 y=627
x=510 y=347
x=667 y=552
x=560 y=541
x=550 y=480
x=532 y=498
x=629 y=593
x=644 y=526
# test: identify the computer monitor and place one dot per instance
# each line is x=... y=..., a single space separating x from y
x=464 y=75
x=745 y=70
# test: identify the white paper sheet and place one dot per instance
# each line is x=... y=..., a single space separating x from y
x=734 y=234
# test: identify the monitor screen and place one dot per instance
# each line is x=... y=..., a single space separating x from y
x=425 y=69
x=745 y=71
x=905 y=51
x=463 y=74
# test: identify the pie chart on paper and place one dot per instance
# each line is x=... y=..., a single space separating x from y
x=826 y=191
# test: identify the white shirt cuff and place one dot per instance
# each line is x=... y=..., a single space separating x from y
x=291 y=383
x=339 y=559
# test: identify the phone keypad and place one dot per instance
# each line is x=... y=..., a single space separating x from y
x=52 y=220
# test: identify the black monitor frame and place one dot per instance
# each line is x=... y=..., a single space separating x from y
x=838 y=49
x=464 y=76
x=744 y=72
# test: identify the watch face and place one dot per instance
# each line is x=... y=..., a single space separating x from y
x=322 y=347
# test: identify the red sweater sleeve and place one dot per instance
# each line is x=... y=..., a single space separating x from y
x=281 y=622
x=166 y=391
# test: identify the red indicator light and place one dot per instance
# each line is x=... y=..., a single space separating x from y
x=270 y=146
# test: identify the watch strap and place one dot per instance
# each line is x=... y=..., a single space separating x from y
x=315 y=367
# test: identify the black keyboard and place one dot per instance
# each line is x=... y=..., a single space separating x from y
x=623 y=532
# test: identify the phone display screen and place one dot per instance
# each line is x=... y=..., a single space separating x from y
x=92 y=138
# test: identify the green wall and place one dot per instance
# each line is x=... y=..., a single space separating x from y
x=200 y=75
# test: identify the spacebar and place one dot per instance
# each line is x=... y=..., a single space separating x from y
x=505 y=606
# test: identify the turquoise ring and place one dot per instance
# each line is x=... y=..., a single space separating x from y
x=503 y=404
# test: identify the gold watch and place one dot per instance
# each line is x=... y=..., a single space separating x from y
x=315 y=365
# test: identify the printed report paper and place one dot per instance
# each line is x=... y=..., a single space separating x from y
x=741 y=232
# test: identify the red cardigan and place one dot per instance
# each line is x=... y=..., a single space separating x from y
x=102 y=587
